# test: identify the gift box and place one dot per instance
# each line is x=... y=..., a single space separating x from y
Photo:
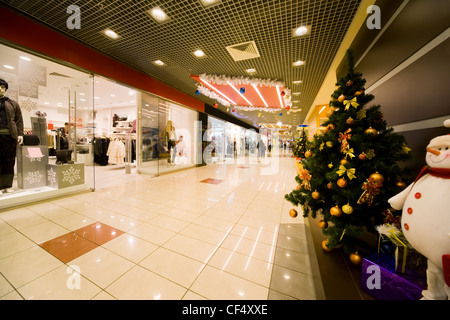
x=379 y=279
x=407 y=259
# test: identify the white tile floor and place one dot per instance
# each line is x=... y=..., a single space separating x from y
x=183 y=239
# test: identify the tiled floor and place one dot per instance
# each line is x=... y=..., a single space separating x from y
x=217 y=232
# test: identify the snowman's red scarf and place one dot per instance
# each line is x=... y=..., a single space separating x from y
x=435 y=172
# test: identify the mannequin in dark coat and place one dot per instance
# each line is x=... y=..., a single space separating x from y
x=11 y=134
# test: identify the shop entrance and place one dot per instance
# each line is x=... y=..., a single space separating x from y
x=115 y=130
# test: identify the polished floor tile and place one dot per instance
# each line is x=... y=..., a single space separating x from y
x=173 y=266
x=212 y=181
x=292 y=283
x=215 y=284
x=98 y=233
x=62 y=283
x=130 y=247
x=101 y=266
x=216 y=232
x=147 y=285
x=27 y=265
x=68 y=247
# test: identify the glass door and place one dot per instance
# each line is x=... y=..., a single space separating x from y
x=148 y=147
x=80 y=131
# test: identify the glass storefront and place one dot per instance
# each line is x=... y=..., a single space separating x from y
x=84 y=132
x=229 y=141
x=168 y=138
x=56 y=110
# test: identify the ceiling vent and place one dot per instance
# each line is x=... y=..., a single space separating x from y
x=244 y=51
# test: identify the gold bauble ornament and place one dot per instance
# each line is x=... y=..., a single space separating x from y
x=336 y=211
x=371 y=132
x=401 y=184
x=298 y=187
x=323 y=224
x=376 y=177
x=325 y=246
x=350 y=121
x=342 y=183
x=358 y=93
x=293 y=213
x=341 y=98
x=308 y=154
x=315 y=195
x=330 y=165
x=356 y=259
x=344 y=162
x=347 y=209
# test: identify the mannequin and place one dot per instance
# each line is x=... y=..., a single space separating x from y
x=171 y=141
x=64 y=137
x=11 y=134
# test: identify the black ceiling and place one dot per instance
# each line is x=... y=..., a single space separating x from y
x=191 y=26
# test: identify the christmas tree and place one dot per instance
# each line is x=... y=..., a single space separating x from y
x=301 y=145
x=351 y=169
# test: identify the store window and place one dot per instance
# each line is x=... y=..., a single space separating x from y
x=176 y=136
x=168 y=138
x=54 y=113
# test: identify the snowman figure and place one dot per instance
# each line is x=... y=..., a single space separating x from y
x=426 y=216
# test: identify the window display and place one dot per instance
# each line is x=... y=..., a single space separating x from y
x=40 y=112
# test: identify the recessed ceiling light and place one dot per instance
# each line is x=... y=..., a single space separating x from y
x=25 y=58
x=251 y=70
x=158 y=15
x=301 y=31
x=111 y=34
x=297 y=82
x=298 y=63
x=210 y=3
x=8 y=67
x=199 y=54
x=159 y=63
x=296 y=93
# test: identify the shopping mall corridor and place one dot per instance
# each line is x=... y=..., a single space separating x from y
x=218 y=232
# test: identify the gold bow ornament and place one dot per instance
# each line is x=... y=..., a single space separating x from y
x=351 y=103
x=350 y=172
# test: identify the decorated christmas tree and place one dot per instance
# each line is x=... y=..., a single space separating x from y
x=301 y=144
x=351 y=169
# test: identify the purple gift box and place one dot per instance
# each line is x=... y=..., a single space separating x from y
x=379 y=279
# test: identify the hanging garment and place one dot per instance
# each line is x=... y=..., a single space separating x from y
x=116 y=152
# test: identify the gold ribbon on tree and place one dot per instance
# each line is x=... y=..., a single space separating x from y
x=306 y=177
x=348 y=153
x=371 y=189
x=351 y=103
x=343 y=137
x=350 y=172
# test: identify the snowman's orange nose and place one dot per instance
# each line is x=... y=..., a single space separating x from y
x=434 y=151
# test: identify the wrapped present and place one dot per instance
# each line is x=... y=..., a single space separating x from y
x=379 y=279
x=407 y=259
